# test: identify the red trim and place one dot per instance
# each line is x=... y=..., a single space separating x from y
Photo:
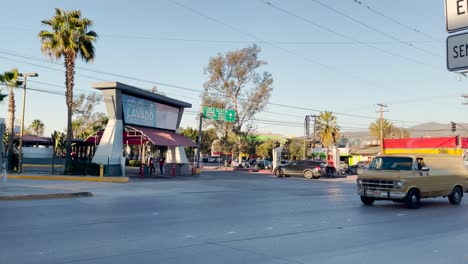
x=441 y=142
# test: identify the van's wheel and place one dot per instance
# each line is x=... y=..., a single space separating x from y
x=367 y=200
x=413 y=199
x=308 y=174
x=279 y=173
x=456 y=196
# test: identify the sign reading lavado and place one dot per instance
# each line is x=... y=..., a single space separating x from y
x=219 y=114
x=143 y=112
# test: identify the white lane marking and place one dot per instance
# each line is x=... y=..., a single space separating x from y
x=41 y=253
x=269 y=228
x=188 y=236
x=436 y=251
x=231 y=232
x=155 y=213
x=324 y=222
x=401 y=214
x=299 y=225
x=348 y=220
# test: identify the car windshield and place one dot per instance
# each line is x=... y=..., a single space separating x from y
x=391 y=163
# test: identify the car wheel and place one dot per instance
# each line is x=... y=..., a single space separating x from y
x=367 y=200
x=308 y=174
x=413 y=199
x=456 y=196
x=279 y=173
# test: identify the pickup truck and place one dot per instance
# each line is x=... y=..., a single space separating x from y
x=408 y=178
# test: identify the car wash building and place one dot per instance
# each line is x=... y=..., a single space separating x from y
x=139 y=116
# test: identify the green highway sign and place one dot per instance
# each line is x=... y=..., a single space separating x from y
x=219 y=114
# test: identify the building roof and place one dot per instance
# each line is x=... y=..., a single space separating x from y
x=364 y=151
x=135 y=91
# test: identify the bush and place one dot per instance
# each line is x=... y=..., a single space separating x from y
x=134 y=163
x=78 y=167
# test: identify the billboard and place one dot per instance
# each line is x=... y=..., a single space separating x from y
x=146 y=113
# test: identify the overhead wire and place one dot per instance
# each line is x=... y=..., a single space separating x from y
x=374 y=29
x=269 y=3
x=368 y=7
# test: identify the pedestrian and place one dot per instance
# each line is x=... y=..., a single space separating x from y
x=161 y=165
x=151 y=165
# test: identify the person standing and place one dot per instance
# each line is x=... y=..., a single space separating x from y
x=161 y=165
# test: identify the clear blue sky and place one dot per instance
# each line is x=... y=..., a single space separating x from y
x=319 y=59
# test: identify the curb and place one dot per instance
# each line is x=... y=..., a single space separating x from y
x=69 y=178
x=44 y=196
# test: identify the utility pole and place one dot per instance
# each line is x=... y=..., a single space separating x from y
x=199 y=140
x=20 y=148
x=306 y=124
x=381 y=110
x=313 y=149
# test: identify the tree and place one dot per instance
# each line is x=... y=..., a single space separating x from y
x=234 y=83
x=193 y=135
x=293 y=148
x=327 y=128
x=388 y=128
x=265 y=149
x=10 y=79
x=86 y=121
x=37 y=127
x=58 y=139
x=69 y=38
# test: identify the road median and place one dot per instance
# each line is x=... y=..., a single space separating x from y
x=69 y=178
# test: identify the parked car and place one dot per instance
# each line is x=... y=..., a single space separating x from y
x=215 y=159
x=359 y=167
x=307 y=168
x=264 y=164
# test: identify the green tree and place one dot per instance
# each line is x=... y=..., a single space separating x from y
x=58 y=139
x=293 y=148
x=387 y=129
x=265 y=149
x=69 y=38
x=10 y=79
x=234 y=83
x=86 y=121
x=193 y=135
x=37 y=127
x=327 y=128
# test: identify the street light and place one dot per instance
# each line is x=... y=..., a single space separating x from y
x=20 y=157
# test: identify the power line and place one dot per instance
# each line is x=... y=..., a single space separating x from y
x=346 y=36
x=374 y=29
x=164 y=84
x=394 y=20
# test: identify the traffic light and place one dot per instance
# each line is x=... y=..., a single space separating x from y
x=454 y=126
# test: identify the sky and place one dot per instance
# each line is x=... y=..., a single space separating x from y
x=344 y=56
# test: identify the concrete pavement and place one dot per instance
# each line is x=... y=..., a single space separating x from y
x=229 y=217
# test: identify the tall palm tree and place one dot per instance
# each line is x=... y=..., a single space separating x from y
x=69 y=38
x=327 y=128
x=38 y=127
x=10 y=79
x=387 y=129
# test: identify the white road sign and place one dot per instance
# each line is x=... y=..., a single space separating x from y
x=456 y=15
x=457 y=52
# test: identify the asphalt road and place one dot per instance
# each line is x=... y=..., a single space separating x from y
x=229 y=217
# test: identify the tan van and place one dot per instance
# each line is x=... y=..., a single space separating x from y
x=407 y=179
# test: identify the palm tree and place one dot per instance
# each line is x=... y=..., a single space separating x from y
x=387 y=129
x=38 y=127
x=327 y=128
x=69 y=38
x=10 y=79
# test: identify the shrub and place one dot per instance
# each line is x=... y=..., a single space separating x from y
x=134 y=163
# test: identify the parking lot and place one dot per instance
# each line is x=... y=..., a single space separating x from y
x=229 y=217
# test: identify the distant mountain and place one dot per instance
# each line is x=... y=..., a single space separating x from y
x=430 y=129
